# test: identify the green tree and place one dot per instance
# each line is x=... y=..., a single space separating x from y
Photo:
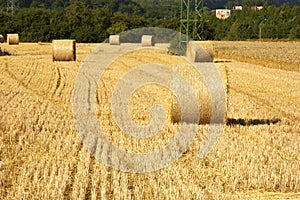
x=5 y=22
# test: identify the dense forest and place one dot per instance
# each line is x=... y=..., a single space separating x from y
x=151 y=4
x=95 y=20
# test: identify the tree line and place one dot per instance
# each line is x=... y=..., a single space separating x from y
x=146 y=5
x=95 y=20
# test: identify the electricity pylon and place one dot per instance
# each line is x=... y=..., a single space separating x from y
x=11 y=6
x=191 y=21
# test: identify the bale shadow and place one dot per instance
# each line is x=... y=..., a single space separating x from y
x=4 y=52
x=251 y=122
x=222 y=61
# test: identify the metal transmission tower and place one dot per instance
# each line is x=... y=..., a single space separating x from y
x=191 y=21
x=11 y=6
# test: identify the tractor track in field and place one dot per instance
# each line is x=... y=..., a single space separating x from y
x=21 y=81
x=10 y=97
x=21 y=86
x=255 y=93
x=62 y=84
x=57 y=82
x=31 y=73
x=265 y=103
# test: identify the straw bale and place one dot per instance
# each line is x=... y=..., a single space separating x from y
x=196 y=53
x=64 y=50
x=148 y=41
x=13 y=39
x=210 y=91
x=1 y=38
x=114 y=40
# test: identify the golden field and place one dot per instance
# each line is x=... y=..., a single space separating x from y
x=279 y=55
x=257 y=155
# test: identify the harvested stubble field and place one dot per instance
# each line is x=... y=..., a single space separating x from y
x=256 y=157
x=279 y=55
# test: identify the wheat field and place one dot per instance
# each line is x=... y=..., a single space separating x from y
x=256 y=157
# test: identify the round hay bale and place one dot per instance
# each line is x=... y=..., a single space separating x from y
x=114 y=40
x=13 y=39
x=202 y=102
x=209 y=90
x=196 y=53
x=148 y=41
x=1 y=38
x=64 y=50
